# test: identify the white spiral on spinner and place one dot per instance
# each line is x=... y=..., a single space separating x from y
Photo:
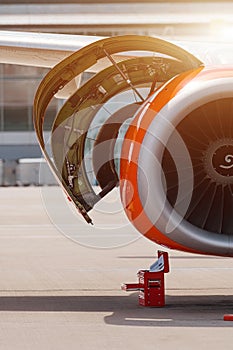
x=228 y=159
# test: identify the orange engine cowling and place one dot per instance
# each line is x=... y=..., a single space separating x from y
x=176 y=174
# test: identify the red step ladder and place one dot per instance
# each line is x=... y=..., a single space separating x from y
x=151 y=283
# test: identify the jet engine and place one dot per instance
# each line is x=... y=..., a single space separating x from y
x=148 y=117
x=177 y=164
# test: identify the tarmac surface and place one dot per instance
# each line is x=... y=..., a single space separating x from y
x=61 y=293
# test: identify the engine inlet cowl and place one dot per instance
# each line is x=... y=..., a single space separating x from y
x=185 y=167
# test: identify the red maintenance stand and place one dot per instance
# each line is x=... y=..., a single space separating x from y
x=151 y=283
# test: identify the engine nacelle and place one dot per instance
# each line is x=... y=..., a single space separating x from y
x=176 y=159
x=176 y=174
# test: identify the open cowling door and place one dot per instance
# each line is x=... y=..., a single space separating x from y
x=114 y=77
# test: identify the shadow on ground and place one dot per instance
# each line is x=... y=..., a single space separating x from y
x=180 y=311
